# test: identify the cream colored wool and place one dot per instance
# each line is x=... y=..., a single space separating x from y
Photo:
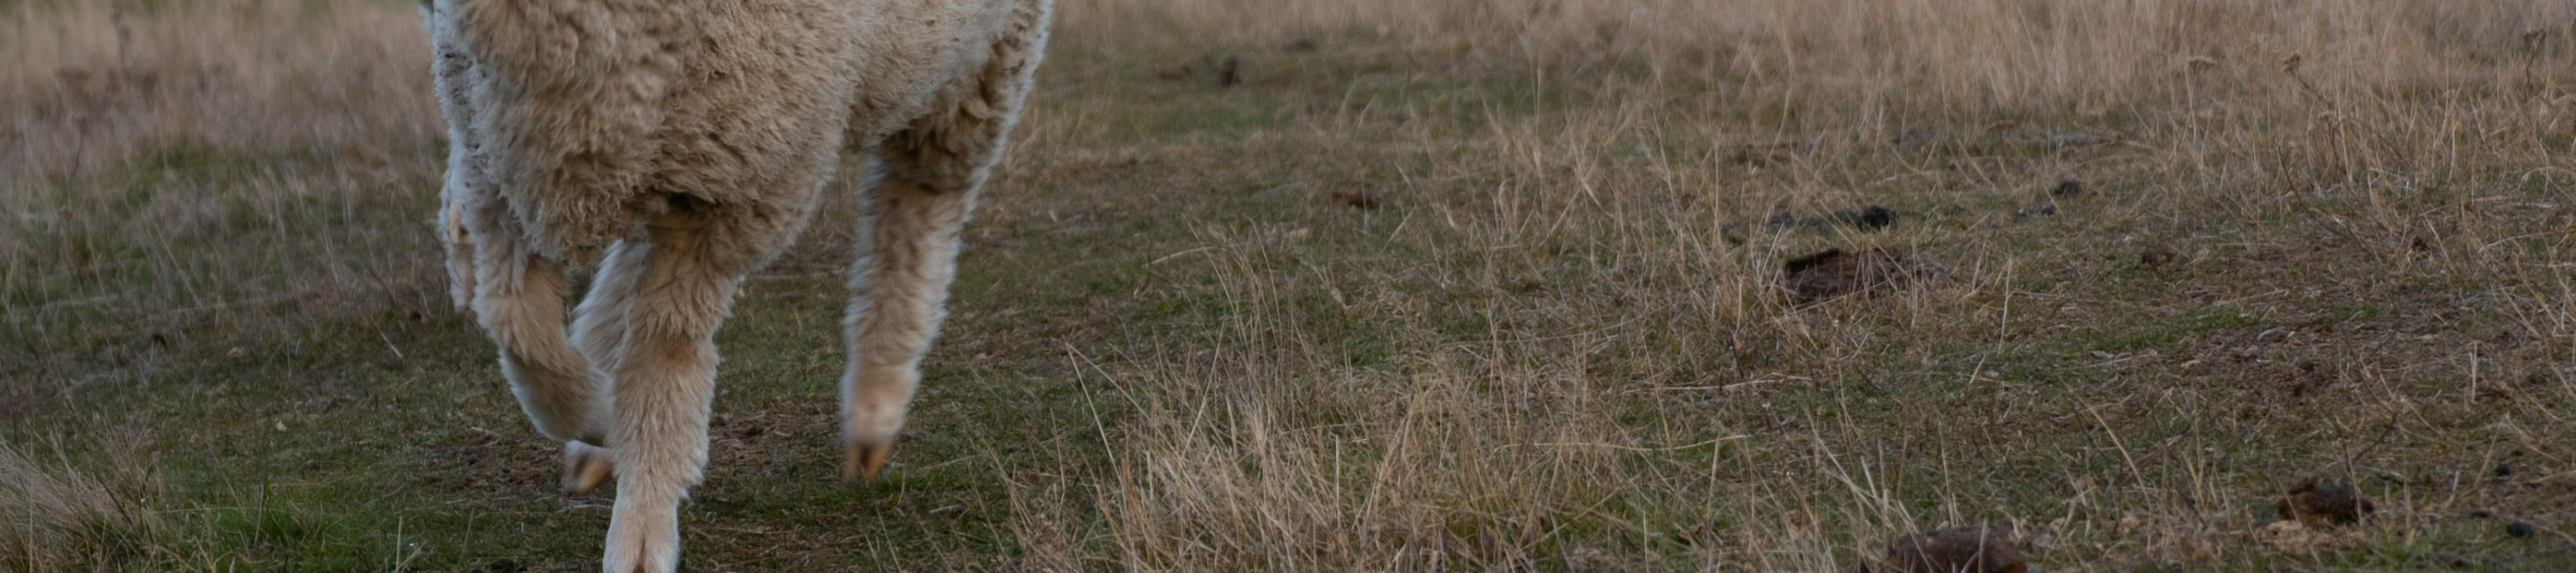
x=682 y=144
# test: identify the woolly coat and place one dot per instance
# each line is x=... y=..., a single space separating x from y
x=572 y=121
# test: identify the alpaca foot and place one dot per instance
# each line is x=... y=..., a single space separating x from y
x=866 y=457
x=585 y=467
x=642 y=540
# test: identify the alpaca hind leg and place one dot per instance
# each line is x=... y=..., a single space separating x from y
x=901 y=287
x=599 y=332
x=935 y=167
x=680 y=292
x=518 y=298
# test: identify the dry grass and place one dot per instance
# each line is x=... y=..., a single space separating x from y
x=54 y=517
x=2313 y=239
x=142 y=133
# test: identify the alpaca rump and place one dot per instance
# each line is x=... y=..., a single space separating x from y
x=678 y=146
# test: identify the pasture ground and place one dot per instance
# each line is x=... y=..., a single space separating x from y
x=2303 y=240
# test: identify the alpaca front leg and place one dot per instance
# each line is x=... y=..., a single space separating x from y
x=599 y=332
x=900 y=285
x=665 y=380
x=518 y=298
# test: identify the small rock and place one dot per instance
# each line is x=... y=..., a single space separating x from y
x=2315 y=503
x=1969 y=549
x=2503 y=469
x=1835 y=273
x=2519 y=529
x=1355 y=199
x=2067 y=188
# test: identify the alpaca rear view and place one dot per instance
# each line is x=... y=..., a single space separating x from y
x=680 y=145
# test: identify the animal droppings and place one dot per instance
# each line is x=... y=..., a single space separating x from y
x=2314 y=503
x=1868 y=218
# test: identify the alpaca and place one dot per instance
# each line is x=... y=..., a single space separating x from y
x=682 y=144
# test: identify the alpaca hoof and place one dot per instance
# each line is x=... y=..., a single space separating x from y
x=866 y=458
x=585 y=467
x=642 y=540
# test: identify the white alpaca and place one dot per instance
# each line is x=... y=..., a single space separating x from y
x=683 y=143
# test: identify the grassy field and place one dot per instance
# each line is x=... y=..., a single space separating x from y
x=2196 y=252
